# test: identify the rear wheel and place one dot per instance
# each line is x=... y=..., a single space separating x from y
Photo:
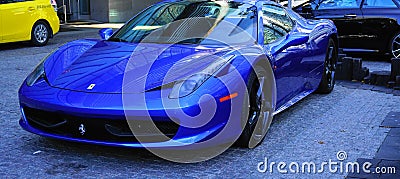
x=259 y=107
x=395 y=47
x=328 y=77
x=40 y=34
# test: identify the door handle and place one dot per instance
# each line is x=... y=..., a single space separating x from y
x=31 y=8
x=350 y=16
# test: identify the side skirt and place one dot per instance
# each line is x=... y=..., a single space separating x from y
x=293 y=101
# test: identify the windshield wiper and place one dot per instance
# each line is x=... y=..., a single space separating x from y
x=116 y=39
x=190 y=41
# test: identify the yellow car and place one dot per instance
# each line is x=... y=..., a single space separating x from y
x=28 y=20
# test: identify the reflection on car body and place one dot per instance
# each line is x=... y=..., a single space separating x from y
x=251 y=58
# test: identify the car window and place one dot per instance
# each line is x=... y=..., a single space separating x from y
x=276 y=23
x=379 y=4
x=335 y=4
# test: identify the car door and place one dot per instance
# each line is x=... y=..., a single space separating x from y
x=347 y=16
x=17 y=17
x=277 y=26
x=379 y=16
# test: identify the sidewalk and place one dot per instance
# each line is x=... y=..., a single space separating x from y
x=388 y=154
x=82 y=25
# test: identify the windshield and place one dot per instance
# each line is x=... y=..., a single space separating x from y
x=192 y=22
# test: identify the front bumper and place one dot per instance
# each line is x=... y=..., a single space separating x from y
x=171 y=143
x=67 y=110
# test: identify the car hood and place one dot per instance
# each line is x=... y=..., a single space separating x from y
x=100 y=66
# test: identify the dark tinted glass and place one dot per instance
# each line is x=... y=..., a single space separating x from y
x=379 y=4
x=276 y=23
x=335 y=4
x=180 y=20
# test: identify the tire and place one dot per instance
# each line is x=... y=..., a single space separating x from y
x=395 y=46
x=40 y=34
x=258 y=109
x=328 y=77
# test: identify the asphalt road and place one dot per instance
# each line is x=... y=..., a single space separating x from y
x=313 y=130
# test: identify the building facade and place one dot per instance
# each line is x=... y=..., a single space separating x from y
x=103 y=10
x=111 y=10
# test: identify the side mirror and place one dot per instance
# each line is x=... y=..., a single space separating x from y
x=293 y=39
x=296 y=39
x=106 y=33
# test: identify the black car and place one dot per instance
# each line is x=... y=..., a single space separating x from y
x=363 y=25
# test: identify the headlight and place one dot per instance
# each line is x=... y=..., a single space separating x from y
x=36 y=74
x=185 y=87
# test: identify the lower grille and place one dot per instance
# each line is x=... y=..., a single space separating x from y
x=108 y=130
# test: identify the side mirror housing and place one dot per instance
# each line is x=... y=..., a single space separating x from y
x=296 y=39
x=106 y=33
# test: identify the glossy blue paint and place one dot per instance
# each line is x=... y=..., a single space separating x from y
x=106 y=33
x=297 y=62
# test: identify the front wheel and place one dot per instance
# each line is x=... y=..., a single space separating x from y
x=395 y=47
x=328 y=77
x=258 y=107
x=40 y=34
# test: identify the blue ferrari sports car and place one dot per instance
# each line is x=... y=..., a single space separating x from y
x=182 y=73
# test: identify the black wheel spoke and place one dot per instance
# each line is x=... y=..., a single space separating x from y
x=327 y=82
x=260 y=109
x=396 y=46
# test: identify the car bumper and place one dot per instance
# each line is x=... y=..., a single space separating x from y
x=171 y=143
x=70 y=109
x=54 y=24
